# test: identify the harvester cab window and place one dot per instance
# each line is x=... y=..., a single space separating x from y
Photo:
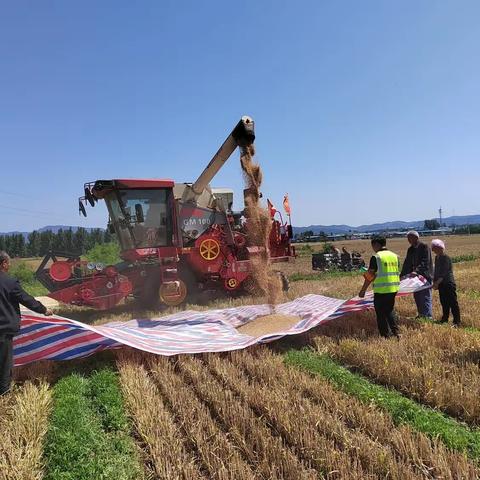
x=142 y=217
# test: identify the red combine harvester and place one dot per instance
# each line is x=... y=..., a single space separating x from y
x=177 y=240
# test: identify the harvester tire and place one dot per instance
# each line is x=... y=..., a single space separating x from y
x=148 y=296
x=186 y=274
x=168 y=299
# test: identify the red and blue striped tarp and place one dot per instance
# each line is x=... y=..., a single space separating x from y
x=58 y=338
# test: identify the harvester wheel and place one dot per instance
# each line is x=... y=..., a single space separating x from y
x=60 y=271
x=172 y=295
x=231 y=284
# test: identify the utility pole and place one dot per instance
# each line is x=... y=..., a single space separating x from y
x=440 y=215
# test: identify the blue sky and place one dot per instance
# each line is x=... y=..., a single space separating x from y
x=365 y=111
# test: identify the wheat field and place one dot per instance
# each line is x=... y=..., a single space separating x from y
x=249 y=414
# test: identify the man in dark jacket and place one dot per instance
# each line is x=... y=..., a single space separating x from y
x=11 y=295
x=419 y=262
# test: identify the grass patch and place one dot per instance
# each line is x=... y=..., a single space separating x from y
x=452 y=433
x=88 y=435
x=472 y=293
x=448 y=324
x=297 y=277
x=35 y=288
x=469 y=257
x=22 y=272
x=303 y=250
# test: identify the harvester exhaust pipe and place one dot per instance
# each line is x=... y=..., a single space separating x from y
x=242 y=136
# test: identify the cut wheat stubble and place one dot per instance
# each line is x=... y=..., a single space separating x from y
x=164 y=446
x=410 y=447
x=216 y=453
x=311 y=424
x=23 y=427
x=267 y=453
x=317 y=437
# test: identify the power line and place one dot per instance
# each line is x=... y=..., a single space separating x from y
x=26 y=210
x=15 y=194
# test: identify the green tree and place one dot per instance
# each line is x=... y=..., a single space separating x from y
x=58 y=241
x=46 y=240
x=68 y=240
x=33 y=246
x=107 y=236
x=17 y=246
x=107 y=253
x=80 y=240
x=431 y=224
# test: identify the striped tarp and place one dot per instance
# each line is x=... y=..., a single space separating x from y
x=58 y=338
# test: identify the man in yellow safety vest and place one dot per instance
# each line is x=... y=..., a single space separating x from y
x=384 y=272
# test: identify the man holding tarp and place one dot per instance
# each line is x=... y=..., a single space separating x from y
x=384 y=272
x=418 y=262
x=11 y=295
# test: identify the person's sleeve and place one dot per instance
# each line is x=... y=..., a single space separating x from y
x=373 y=264
x=448 y=265
x=443 y=266
x=406 y=268
x=18 y=294
x=423 y=267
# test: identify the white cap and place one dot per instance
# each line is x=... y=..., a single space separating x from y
x=413 y=233
x=438 y=243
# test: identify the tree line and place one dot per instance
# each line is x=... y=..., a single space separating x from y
x=37 y=244
x=468 y=229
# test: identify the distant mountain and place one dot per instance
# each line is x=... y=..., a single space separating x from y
x=396 y=225
x=335 y=229
x=53 y=228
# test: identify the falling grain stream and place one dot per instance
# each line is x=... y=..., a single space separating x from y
x=259 y=225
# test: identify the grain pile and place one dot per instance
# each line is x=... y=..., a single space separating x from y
x=259 y=225
x=268 y=324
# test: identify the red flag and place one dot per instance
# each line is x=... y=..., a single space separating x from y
x=271 y=208
x=286 y=205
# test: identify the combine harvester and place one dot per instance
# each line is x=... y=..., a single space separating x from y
x=176 y=239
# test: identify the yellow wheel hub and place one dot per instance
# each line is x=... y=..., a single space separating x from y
x=232 y=283
x=209 y=249
x=172 y=293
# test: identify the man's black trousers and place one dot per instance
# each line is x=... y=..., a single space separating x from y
x=448 y=299
x=6 y=362
x=384 y=304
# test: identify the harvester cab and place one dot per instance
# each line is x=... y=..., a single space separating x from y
x=175 y=238
x=142 y=212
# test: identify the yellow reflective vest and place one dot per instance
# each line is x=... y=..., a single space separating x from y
x=387 y=279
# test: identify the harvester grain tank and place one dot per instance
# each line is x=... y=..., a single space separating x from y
x=176 y=239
